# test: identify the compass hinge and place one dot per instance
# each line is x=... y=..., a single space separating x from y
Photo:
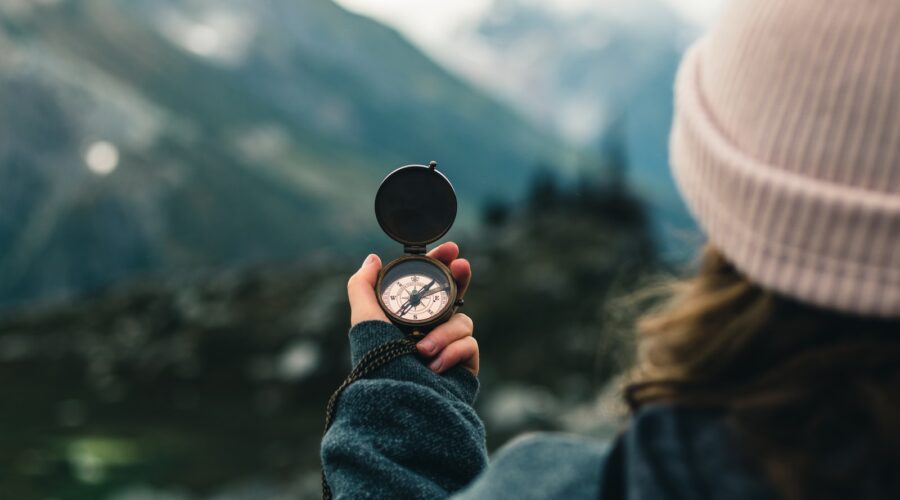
x=414 y=249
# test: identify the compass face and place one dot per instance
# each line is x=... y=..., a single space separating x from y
x=415 y=291
x=415 y=297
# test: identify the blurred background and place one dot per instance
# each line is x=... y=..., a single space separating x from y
x=186 y=185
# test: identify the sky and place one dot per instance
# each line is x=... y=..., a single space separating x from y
x=447 y=30
x=428 y=22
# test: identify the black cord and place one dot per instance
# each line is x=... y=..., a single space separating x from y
x=374 y=359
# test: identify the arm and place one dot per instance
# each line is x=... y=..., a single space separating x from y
x=405 y=431
x=549 y=465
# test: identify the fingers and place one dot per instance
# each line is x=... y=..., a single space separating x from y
x=457 y=327
x=445 y=252
x=361 y=292
x=463 y=351
x=451 y=343
x=462 y=273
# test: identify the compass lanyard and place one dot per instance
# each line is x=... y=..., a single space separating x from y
x=374 y=359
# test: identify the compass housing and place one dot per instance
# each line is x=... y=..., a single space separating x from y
x=416 y=205
x=408 y=264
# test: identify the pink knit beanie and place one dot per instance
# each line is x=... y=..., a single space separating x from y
x=786 y=147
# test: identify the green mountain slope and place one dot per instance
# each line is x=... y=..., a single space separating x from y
x=246 y=131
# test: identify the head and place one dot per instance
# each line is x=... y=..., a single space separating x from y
x=814 y=393
x=786 y=147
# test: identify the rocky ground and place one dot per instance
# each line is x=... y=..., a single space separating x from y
x=213 y=386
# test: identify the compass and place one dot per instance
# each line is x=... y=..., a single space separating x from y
x=416 y=205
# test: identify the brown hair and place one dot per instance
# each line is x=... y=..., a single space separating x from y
x=813 y=394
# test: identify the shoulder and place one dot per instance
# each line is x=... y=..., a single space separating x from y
x=691 y=451
x=683 y=436
x=543 y=465
x=666 y=428
x=547 y=446
x=665 y=451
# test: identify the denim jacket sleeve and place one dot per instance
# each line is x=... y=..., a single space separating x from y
x=403 y=431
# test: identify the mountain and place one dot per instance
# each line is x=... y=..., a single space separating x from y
x=148 y=136
x=599 y=73
x=575 y=66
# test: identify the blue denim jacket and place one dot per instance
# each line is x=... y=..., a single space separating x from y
x=406 y=432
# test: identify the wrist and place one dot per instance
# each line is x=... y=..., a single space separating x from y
x=369 y=334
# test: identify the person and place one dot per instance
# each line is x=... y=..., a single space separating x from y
x=772 y=372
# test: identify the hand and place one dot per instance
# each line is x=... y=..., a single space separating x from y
x=450 y=343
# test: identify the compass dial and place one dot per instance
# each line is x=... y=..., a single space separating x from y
x=417 y=291
x=416 y=297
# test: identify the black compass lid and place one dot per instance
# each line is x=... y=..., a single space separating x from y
x=415 y=205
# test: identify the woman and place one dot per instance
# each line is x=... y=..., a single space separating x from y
x=772 y=373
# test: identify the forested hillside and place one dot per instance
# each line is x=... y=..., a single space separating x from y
x=214 y=387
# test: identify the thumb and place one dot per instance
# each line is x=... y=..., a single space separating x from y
x=361 y=292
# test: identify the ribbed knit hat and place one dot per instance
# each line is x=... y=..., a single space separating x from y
x=786 y=147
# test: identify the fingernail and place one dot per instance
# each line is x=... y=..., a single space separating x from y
x=367 y=261
x=436 y=365
x=428 y=346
